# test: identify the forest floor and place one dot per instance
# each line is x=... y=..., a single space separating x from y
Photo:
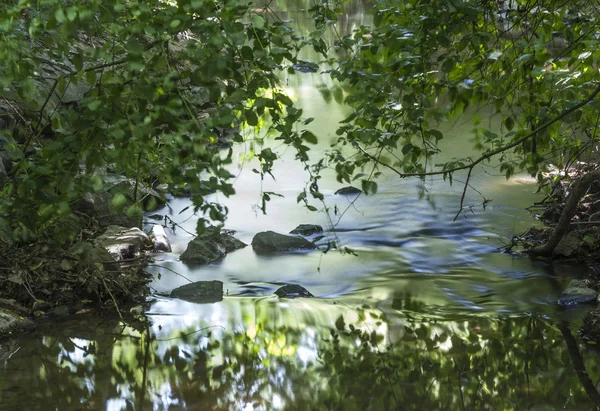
x=40 y=280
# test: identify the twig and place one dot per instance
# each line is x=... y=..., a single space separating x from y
x=462 y=198
x=113 y=298
x=173 y=271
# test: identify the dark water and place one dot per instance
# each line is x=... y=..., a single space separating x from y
x=429 y=315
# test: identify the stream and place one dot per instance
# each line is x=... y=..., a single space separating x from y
x=430 y=314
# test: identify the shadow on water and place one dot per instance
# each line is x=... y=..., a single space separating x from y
x=264 y=353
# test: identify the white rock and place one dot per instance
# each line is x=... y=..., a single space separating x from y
x=159 y=238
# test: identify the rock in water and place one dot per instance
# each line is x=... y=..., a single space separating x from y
x=272 y=241
x=123 y=243
x=577 y=292
x=209 y=247
x=307 y=229
x=200 y=292
x=348 y=191
x=293 y=291
x=159 y=238
x=13 y=325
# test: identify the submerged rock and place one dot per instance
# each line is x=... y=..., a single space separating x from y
x=307 y=229
x=159 y=239
x=293 y=291
x=124 y=243
x=577 y=292
x=348 y=191
x=209 y=247
x=200 y=292
x=272 y=241
x=12 y=325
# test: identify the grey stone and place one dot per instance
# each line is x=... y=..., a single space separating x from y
x=14 y=306
x=272 y=241
x=293 y=291
x=124 y=243
x=200 y=292
x=307 y=229
x=159 y=238
x=577 y=292
x=12 y=325
x=569 y=244
x=209 y=247
x=97 y=205
x=231 y=243
x=348 y=191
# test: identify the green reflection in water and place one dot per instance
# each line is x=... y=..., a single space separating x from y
x=300 y=354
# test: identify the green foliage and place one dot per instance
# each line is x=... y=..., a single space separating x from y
x=143 y=90
x=421 y=64
x=147 y=90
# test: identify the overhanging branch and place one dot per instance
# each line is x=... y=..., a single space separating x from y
x=492 y=153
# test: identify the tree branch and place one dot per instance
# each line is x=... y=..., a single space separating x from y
x=492 y=153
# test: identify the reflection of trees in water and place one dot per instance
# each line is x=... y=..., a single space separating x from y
x=469 y=363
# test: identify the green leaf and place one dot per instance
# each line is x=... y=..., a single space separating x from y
x=72 y=13
x=90 y=77
x=258 y=21
x=118 y=201
x=60 y=15
x=251 y=118
x=509 y=123
x=309 y=137
x=369 y=187
x=77 y=61
x=134 y=46
x=94 y=105
x=340 y=324
x=407 y=148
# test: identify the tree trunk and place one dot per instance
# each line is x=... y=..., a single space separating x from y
x=578 y=190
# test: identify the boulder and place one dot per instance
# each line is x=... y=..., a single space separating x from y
x=13 y=325
x=307 y=229
x=124 y=243
x=349 y=190
x=151 y=199
x=97 y=205
x=272 y=241
x=577 y=292
x=293 y=291
x=200 y=292
x=210 y=246
x=570 y=243
x=159 y=239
